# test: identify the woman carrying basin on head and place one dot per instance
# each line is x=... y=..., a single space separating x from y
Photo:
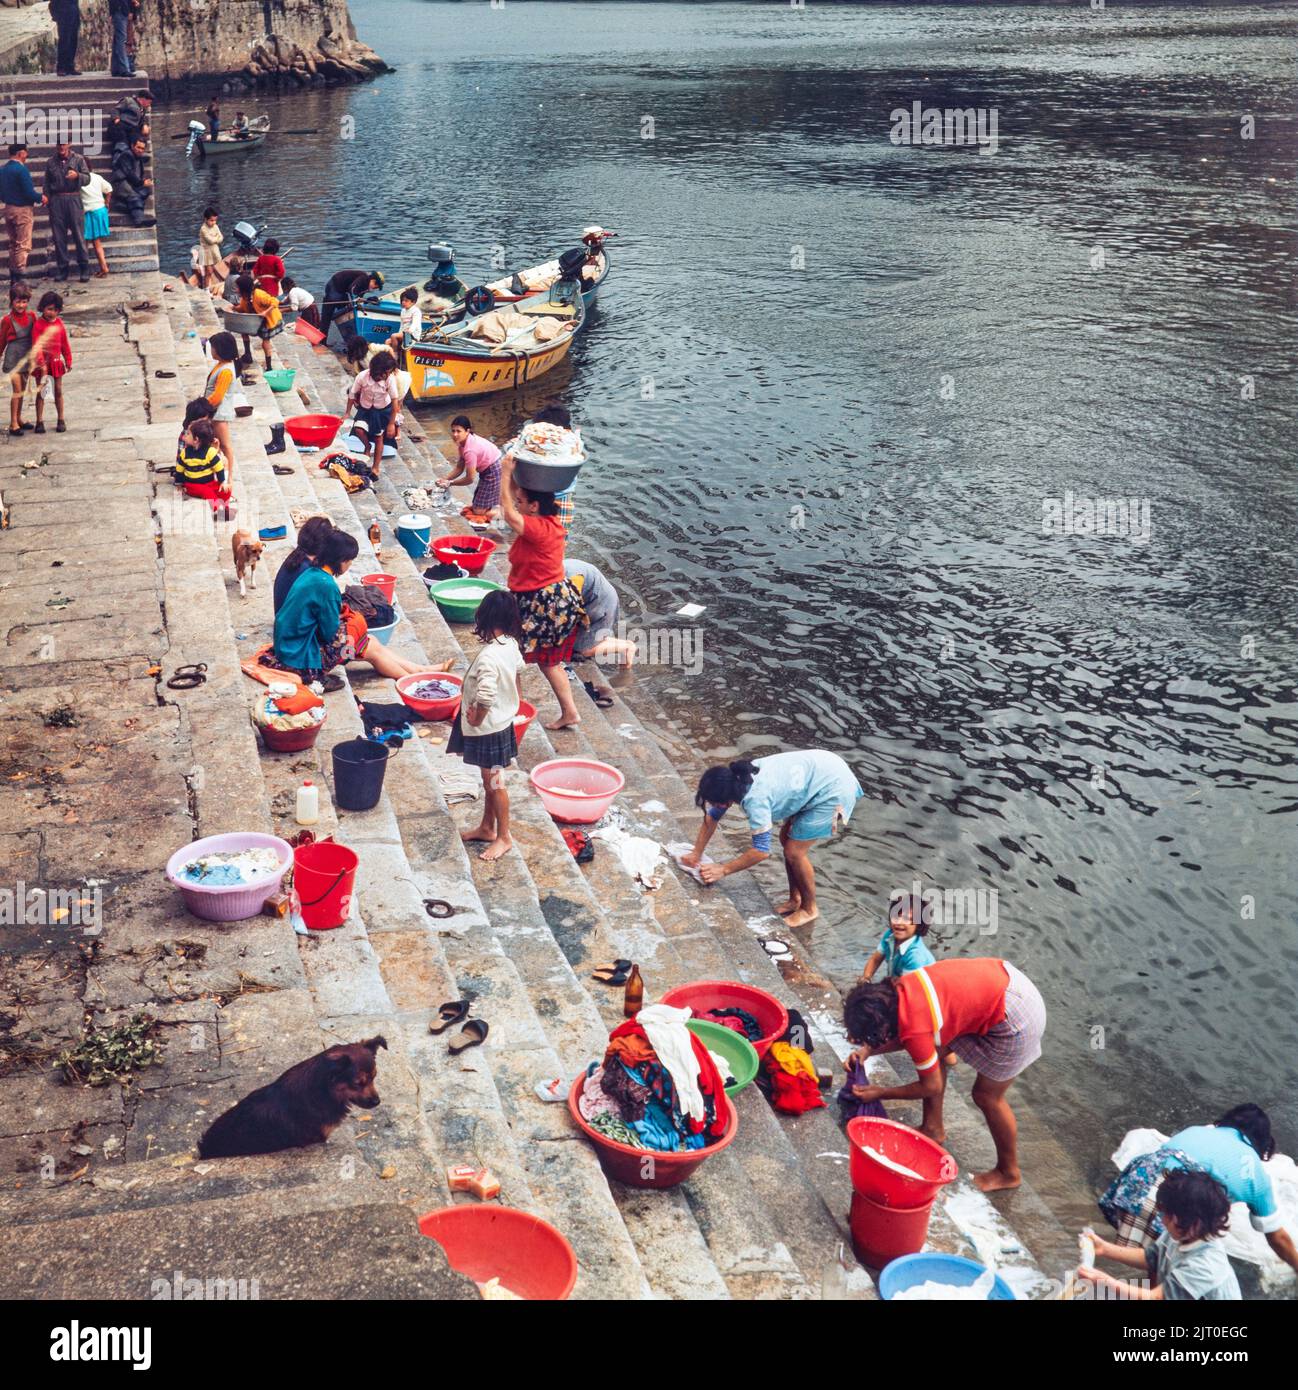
x=809 y=792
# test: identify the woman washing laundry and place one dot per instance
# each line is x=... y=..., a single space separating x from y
x=549 y=605
x=315 y=631
x=808 y=792
x=984 y=1010
x=1232 y=1150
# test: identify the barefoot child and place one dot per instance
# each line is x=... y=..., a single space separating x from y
x=52 y=357
x=94 y=210
x=484 y=733
x=902 y=948
x=1189 y=1261
x=16 y=340
x=254 y=300
x=376 y=394
x=210 y=238
x=479 y=463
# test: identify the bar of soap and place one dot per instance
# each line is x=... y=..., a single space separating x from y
x=484 y=1185
x=460 y=1176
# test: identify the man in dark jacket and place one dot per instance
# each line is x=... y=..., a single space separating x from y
x=131 y=188
x=130 y=120
x=342 y=286
x=66 y=175
x=67 y=16
x=120 y=13
x=19 y=196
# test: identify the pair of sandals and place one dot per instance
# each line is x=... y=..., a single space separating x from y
x=474 y=1032
x=616 y=972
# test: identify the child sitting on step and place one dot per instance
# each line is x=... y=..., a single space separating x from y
x=200 y=468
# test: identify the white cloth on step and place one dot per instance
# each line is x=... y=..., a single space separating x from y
x=676 y=849
x=458 y=783
x=665 y=1028
x=638 y=853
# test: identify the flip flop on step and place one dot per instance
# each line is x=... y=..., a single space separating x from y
x=451 y=1013
x=602 y=697
x=617 y=975
x=476 y=1032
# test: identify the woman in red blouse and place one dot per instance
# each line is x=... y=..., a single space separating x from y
x=268 y=268
x=985 y=1011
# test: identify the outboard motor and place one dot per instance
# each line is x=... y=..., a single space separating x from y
x=245 y=234
x=571 y=262
x=197 y=130
x=445 y=280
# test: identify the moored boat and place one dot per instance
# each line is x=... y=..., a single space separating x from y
x=500 y=350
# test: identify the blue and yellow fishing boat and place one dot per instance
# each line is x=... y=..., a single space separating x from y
x=500 y=350
x=445 y=298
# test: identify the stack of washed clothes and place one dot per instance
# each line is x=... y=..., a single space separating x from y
x=658 y=1086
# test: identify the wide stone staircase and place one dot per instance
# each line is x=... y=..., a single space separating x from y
x=763 y=1219
x=78 y=109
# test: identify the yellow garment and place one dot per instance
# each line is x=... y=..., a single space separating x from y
x=264 y=304
x=793 y=1060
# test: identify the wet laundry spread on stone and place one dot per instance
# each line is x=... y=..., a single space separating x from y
x=223 y=870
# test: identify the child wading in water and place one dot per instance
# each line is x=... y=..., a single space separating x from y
x=479 y=463
x=16 y=340
x=52 y=357
x=902 y=947
x=484 y=733
x=1189 y=1261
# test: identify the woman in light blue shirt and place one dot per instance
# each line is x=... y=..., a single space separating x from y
x=807 y=792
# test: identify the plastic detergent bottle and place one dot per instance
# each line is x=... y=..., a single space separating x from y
x=308 y=803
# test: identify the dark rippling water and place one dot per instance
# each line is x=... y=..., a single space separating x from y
x=847 y=463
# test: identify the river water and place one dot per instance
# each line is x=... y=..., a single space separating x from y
x=832 y=390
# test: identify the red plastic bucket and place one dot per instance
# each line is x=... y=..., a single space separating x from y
x=527 y=1255
x=386 y=582
x=882 y=1234
x=633 y=1166
x=523 y=719
x=903 y=1145
x=324 y=875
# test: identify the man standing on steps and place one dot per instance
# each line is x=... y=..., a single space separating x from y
x=67 y=16
x=131 y=188
x=65 y=176
x=120 y=13
x=19 y=196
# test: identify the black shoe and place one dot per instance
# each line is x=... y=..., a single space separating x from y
x=276 y=445
x=85 y=277
x=40 y=429
x=62 y=275
x=146 y=222
x=61 y=427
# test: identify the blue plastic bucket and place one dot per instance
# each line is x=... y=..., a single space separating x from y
x=414 y=531
x=910 y=1270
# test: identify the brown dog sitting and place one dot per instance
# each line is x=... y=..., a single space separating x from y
x=304 y=1106
x=247 y=552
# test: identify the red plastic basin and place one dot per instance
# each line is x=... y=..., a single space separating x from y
x=526 y=1254
x=291 y=740
x=469 y=552
x=523 y=719
x=312 y=431
x=703 y=995
x=903 y=1145
x=431 y=709
x=629 y=1166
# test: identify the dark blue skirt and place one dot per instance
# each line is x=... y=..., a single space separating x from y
x=483 y=750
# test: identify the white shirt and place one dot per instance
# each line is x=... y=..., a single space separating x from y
x=491 y=681
x=94 y=193
x=299 y=299
x=412 y=321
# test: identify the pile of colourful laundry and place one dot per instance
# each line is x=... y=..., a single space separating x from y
x=789 y=1079
x=658 y=1086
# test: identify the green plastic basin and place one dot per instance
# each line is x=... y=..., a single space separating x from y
x=734 y=1047
x=281 y=379
x=459 y=598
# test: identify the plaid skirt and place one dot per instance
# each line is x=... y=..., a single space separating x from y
x=1130 y=1203
x=550 y=619
x=486 y=495
x=483 y=750
x=1013 y=1045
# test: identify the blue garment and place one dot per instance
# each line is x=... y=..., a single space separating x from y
x=908 y=956
x=307 y=620
x=16 y=186
x=1197 y=1271
x=1234 y=1162
x=96 y=225
x=121 y=64
x=806 y=788
x=656 y=1130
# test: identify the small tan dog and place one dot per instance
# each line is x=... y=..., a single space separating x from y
x=247 y=552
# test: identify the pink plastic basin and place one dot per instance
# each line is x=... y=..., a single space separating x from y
x=312 y=431
x=526 y=1254
x=239 y=900
x=523 y=719
x=471 y=553
x=703 y=995
x=903 y=1145
x=431 y=709
x=576 y=790
x=632 y=1166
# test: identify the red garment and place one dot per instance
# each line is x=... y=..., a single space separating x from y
x=968 y=998
x=632 y=1050
x=794 y=1095
x=731 y=1022
x=11 y=323
x=536 y=556
x=268 y=271
x=711 y=1082
x=51 y=351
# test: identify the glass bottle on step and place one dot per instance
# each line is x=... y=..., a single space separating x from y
x=376 y=540
x=633 y=995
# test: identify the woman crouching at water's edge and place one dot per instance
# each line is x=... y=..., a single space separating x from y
x=808 y=792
